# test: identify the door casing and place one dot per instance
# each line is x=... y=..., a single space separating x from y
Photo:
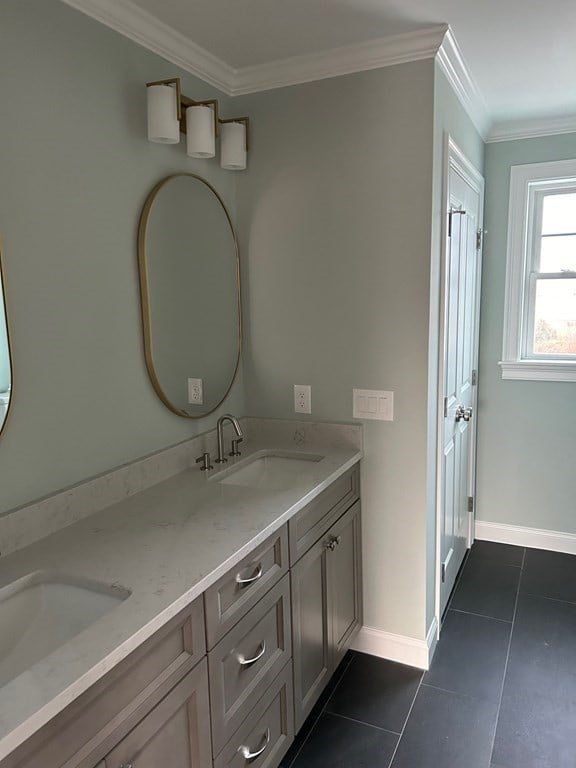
x=455 y=159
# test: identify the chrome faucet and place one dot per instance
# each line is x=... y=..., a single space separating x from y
x=219 y=429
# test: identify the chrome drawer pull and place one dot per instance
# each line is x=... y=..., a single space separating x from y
x=244 y=662
x=245 y=751
x=243 y=582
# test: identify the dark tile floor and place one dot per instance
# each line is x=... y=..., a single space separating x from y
x=501 y=691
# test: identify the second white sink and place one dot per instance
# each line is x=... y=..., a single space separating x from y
x=273 y=471
x=42 y=611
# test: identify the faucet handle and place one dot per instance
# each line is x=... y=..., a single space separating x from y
x=205 y=458
x=235 y=451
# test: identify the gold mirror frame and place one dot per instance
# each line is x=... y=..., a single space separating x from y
x=10 y=359
x=145 y=294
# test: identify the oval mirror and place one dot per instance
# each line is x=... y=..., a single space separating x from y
x=190 y=290
x=5 y=363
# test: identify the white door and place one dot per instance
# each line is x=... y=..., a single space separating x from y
x=458 y=367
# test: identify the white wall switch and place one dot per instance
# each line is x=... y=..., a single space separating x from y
x=195 y=392
x=302 y=398
x=373 y=404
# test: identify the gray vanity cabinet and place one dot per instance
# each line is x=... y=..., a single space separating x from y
x=132 y=702
x=175 y=733
x=326 y=604
x=310 y=646
x=344 y=583
x=226 y=682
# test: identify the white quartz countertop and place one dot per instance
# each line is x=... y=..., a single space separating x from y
x=166 y=545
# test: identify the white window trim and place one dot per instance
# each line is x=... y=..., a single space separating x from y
x=513 y=364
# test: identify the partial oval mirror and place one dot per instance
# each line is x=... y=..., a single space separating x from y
x=5 y=362
x=190 y=291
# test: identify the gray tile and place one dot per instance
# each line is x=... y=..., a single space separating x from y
x=487 y=588
x=310 y=721
x=537 y=723
x=549 y=574
x=536 y=729
x=543 y=648
x=336 y=742
x=447 y=730
x=376 y=691
x=505 y=554
x=465 y=637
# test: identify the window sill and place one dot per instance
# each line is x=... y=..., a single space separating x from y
x=539 y=370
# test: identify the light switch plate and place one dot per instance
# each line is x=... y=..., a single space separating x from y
x=373 y=404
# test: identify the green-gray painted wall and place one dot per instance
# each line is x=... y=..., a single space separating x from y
x=76 y=169
x=527 y=429
x=334 y=215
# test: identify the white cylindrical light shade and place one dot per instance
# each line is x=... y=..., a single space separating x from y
x=163 y=123
x=233 y=146
x=200 y=136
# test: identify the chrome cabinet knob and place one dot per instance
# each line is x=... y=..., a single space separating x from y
x=333 y=543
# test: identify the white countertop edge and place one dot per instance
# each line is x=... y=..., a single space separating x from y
x=42 y=716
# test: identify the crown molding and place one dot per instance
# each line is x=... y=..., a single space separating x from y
x=454 y=66
x=131 y=21
x=373 y=54
x=530 y=129
x=128 y=19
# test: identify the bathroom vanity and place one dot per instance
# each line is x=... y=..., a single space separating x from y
x=244 y=594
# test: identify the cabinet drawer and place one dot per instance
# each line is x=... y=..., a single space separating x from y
x=268 y=729
x=83 y=733
x=175 y=733
x=232 y=596
x=247 y=659
x=313 y=520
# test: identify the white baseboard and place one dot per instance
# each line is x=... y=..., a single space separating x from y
x=400 y=648
x=537 y=538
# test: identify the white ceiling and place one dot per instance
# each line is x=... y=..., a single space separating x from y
x=520 y=53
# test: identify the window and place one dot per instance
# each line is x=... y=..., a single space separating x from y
x=540 y=312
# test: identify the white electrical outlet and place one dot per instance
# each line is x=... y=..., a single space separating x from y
x=195 y=392
x=302 y=398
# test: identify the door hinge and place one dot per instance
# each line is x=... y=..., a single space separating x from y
x=474 y=377
x=445 y=407
x=443 y=572
x=478 y=239
x=470 y=503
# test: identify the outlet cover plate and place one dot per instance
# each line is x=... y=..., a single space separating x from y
x=373 y=404
x=302 y=398
x=195 y=392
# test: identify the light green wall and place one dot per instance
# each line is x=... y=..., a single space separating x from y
x=76 y=168
x=527 y=429
x=334 y=215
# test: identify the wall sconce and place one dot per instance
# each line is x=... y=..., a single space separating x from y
x=171 y=113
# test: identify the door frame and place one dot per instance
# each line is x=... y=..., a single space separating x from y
x=455 y=159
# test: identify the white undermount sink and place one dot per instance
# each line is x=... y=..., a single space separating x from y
x=42 y=611
x=273 y=471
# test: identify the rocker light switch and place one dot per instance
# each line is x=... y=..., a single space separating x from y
x=373 y=404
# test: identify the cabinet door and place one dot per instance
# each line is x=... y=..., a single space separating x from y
x=344 y=583
x=310 y=647
x=176 y=733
